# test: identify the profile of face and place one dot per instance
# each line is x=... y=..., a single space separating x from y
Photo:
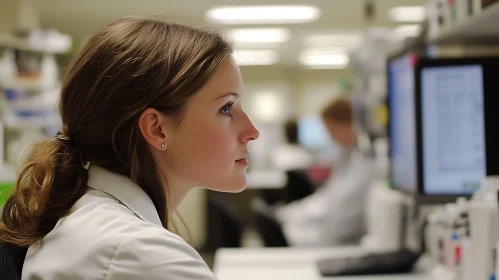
x=209 y=148
x=342 y=133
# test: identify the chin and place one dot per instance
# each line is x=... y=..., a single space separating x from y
x=238 y=189
x=234 y=186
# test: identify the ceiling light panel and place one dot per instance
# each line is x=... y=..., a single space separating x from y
x=255 y=57
x=337 y=39
x=264 y=14
x=324 y=58
x=407 y=14
x=407 y=30
x=259 y=35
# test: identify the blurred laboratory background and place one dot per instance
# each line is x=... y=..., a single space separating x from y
x=377 y=128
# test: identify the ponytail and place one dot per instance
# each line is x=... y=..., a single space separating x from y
x=50 y=181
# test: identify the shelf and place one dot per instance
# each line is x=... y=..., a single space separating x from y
x=30 y=123
x=27 y=84
x=62 y=45
x=478 y=29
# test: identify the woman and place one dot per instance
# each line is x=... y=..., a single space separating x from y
x=150 y=110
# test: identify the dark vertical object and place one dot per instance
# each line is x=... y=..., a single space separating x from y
x=225 y=226
x=298 y=186
x=11 y=261
x=270 y=230
x=369 y=10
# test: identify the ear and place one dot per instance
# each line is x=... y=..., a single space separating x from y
x=153 y=126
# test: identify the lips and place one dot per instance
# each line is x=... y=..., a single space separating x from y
x=243 y=161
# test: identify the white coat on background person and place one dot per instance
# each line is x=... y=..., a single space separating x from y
x=334 y=214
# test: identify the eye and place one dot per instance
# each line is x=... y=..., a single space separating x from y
x=226 y=109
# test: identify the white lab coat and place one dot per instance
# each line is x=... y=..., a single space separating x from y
x=334 y=214
x=113 y=232
x=289 y=157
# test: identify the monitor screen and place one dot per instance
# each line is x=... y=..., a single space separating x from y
x=402 y=128
x=453 y=129
x=312 y=133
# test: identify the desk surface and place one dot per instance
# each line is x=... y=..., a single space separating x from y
x=303 y=273
x=289 y=264
x=278 y=256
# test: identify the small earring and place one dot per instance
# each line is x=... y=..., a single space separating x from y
x=163 y=145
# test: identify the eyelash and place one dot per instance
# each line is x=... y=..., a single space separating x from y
x=227 y=107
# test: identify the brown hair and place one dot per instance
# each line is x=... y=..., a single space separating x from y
x=339 y=110
x=127 y=66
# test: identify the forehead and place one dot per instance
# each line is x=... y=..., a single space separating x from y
x=226 y=79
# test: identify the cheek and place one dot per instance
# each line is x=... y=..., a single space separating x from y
x=215 y=140
x=217 y=145
x=205 y=153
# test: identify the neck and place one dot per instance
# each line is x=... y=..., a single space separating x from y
x=176 y=191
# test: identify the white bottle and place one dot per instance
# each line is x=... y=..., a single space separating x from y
x=466 y=272
x=452 y=212
x=8 y=68
x=497 y=261
x=49 y=72
x=477 y=7
x=484 y=222
x=461 y=238
x=432 y=236
x=463 y=9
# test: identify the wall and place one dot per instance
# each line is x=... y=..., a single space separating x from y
x=18 y=14
x=299 y=91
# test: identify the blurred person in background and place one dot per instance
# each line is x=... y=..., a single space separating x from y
x=291 y=155
x=150 y=110
x=334 y=214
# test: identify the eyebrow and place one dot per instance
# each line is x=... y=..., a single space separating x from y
x=228 y=94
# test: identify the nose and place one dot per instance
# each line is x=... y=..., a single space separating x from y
x=250 y=133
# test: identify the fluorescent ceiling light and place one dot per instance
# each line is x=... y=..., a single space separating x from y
x=263 y=14
x=340 y=39
x=268 y=106
x=254 y=46
x=255 y=57
x=324 y=58
x=408 y=30
x=407 y=14
x=259 y=35
x=326 y=66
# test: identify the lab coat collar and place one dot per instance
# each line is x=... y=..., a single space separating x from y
x=127 y=192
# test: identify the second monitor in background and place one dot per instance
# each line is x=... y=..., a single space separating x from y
x=313 y=134
x=456 y=106
x=402 y=121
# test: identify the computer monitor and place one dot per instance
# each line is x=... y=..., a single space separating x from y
x=312 y=133
x=457 y=123
x=402 y=122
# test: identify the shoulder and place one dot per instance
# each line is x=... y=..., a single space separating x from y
x=111 y=240
x=114 y=223
x=155 y=253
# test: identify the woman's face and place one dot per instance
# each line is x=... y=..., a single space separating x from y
x=210 y=147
